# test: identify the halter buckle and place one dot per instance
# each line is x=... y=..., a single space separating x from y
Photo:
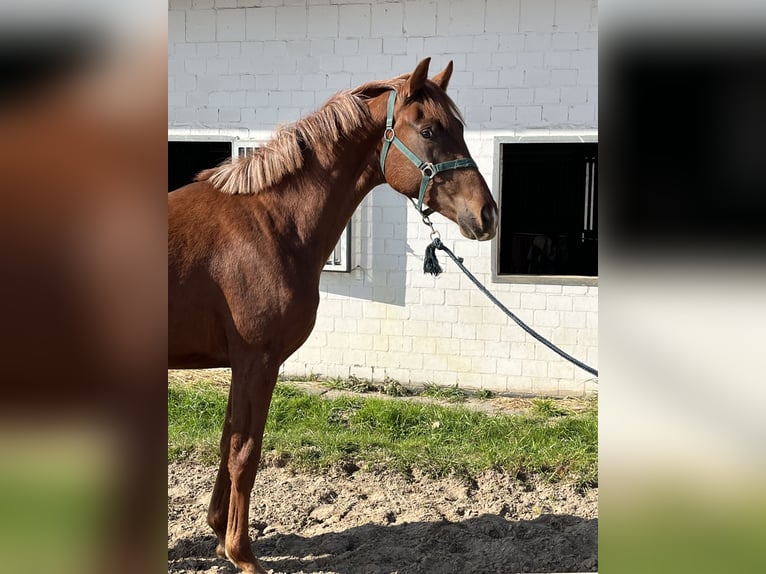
x=428 y=170
x=389 y=135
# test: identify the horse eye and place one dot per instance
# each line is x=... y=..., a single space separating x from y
x=427 y=133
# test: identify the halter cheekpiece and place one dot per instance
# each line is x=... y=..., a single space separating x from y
x=428 y=169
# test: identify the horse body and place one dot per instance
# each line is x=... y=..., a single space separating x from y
x=244 y=264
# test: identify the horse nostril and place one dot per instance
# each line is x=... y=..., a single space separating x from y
x=488 y=216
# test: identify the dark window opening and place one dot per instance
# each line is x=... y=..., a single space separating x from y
x=549 y=209
x=187 y=159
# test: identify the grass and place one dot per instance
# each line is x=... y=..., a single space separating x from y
x=452 y=394
x=548 y=408
x=309 y=432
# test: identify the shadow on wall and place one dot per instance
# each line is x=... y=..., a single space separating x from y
x=378 y=251
x=487 y=543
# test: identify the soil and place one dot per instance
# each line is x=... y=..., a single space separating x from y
x=360 y=522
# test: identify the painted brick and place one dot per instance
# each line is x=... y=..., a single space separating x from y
x=536 y=15
x=485 y=332
x=522 y=350
x=415 y=328
x=458 y=363
x=486 y=43
x=511 y=78
x=497 y=349
x=563 y=77
x=371 y=47
x=557 y=60
x=587 y=40
x=176 y=26
x=547 y=95
x=574 y=95
x=463 y=331
x=200 y=26
x=457 y=17
x=230 y=25
x=559 y=303
x=531 y=368
x=346 y=47
x=529 y=115
x=185 y=82
x=470 y=380
x=511 y=43
x=574 y=319
x=322 y=22
x=560 y=369
x=502 y=16
x=521 y=95
x=593 y=356
x=420 y=18
x=291 y=22
x=555 y=114
x=474 y=61
x=533 y=301
x=380 y=342
x=387 y=19
x=537 y=77
x=534 y=42
x=586 y=62
x=486 y=79
x=573 y=15
x=547 y=318
x=564 y=41
x=509 y=367
x=229 y=115
x=354 y=21
x=582 y=114
x=260 y=23
x=483 y=365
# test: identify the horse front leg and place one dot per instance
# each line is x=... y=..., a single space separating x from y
x=218 y=511
x=250 y=397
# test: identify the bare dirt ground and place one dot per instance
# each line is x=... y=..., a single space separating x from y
x=376 y=523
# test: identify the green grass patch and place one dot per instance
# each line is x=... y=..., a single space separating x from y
x=548 y=408
x=309 y=432
x=453 y=394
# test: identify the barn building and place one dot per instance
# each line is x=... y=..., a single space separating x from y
x=526 y=81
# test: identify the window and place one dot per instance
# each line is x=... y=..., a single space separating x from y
x=187 y=158
x=548 y=210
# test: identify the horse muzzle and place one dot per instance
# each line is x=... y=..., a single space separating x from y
x=481 y=229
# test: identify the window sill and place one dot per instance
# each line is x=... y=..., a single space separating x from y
x=547 y=279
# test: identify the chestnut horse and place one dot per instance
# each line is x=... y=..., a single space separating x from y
x=247 y=242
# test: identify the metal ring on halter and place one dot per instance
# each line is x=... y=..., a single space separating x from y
x=430 y=224
x=429 y=167
x=387 y=137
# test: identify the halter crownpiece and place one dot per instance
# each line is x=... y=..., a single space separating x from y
x=428 y=169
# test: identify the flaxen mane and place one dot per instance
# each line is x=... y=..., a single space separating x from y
x=283 y=155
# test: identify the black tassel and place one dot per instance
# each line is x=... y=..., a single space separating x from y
x=431 y=263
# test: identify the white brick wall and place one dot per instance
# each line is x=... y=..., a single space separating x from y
x=522 y=67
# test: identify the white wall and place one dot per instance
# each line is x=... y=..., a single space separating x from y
x=522 y=67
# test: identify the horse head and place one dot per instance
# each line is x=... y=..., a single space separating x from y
x=424 y=155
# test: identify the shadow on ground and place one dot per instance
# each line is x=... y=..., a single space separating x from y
x=485 y=544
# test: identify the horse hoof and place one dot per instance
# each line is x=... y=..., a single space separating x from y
x=220 y=551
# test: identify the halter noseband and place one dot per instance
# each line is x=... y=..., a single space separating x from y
x=428 y=169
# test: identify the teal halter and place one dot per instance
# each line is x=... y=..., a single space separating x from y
x=428 y=169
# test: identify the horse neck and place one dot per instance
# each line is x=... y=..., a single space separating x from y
x=323 y=212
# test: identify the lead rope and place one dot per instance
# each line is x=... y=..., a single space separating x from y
x=431 y=265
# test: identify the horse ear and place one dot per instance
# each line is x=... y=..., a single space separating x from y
x=442 y=78
x=416 y=80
